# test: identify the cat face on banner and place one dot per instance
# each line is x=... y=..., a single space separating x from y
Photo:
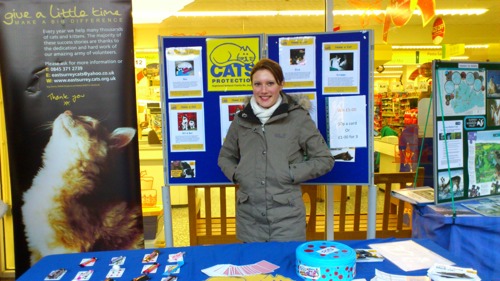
x=67 y=209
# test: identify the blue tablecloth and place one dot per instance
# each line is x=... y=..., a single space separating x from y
x=475 y=239
x=200 y=257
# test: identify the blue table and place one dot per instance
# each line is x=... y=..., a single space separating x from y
x=199 y=257
x=475 y=239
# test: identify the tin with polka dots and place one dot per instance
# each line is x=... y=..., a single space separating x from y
x=325 y=261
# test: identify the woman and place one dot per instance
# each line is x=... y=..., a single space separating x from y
x=272 y=146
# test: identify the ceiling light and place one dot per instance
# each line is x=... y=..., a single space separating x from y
x=317 y=13
x=357 y=12
x=459 y=58
x=155 y=11
x=227 y=14
x=386 y=76
x=435 y=47
x=302 y=13
x=393 y=66
x=391 y=72
x=458 y=12
x=421 y=47
x=477 y=46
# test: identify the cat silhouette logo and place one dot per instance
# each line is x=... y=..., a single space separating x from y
x=230 y=53
x=229 y=63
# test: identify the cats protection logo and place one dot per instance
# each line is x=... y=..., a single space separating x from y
x=230 y=62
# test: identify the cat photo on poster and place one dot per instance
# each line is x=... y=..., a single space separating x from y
x=68 y=207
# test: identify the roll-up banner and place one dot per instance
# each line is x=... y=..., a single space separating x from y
x=69 y=91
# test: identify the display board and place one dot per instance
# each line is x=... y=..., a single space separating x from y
x=205 y=81
x=467 y=130
x=335 y=68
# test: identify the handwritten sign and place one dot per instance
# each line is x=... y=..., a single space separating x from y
x=347 y=121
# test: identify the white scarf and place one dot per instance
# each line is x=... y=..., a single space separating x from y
x=264 y=113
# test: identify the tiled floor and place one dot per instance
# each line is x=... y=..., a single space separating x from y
x=180 y=228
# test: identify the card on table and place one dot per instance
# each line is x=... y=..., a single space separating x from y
x=115 y=272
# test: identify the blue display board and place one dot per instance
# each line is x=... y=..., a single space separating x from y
x=347 y=84
x=206 y=79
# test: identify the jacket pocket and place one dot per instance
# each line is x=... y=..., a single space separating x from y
x=244 y=212
x=287 y=207
x=241 y=197
x=286 y=199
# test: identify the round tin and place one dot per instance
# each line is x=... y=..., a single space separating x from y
x=325 y=260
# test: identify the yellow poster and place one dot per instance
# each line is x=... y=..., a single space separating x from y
x=229 y=63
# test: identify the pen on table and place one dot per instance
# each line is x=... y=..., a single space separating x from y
x=172 y=269
x=151 y=268
x=85 y=275
x=57 y=273
x=85 y=263
x=141 y=278
x=177 y=256
x=117 y=260
x=152 y=255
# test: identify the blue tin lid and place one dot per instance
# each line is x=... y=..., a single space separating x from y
x=325 y=253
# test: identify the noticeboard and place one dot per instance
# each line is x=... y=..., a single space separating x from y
x=205 y=81
x=467 y=130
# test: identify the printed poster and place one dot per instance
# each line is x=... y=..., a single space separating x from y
x=187 y=127
x=341 y=68
x=450 y=140
x=297 y=57
x=461 y=92
x=346 y=122
x=489 y=207
x=184 y=72
x=483 y=162
x=229 y=63
x=68 y=85
x=449 y=187
x=493 y=84
x=183 y=169
x=230 y=106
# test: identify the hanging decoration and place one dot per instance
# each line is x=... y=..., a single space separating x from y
x=399 y=12
x=438 y=29
x=370 y=5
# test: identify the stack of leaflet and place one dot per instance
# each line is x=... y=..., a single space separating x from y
x=440 y=272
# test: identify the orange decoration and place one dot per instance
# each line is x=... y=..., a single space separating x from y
x=367 y=6
x=399 y=13
x=438 y=29
x=428 y=8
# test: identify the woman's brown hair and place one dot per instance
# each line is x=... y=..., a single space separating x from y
x=270 y=65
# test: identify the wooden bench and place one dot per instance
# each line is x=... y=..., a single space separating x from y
x=394 y=220
x=212 y=219
x=205 y=228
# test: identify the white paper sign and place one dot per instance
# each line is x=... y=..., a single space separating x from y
x=347 y=121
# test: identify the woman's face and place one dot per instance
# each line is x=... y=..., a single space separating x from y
x=266 y=89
